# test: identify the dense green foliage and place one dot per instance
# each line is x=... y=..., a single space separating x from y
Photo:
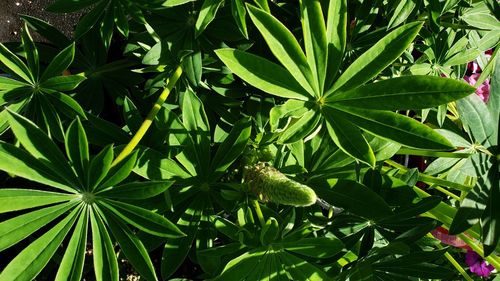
x=233 y=140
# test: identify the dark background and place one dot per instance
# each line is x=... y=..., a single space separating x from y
x=10 y=23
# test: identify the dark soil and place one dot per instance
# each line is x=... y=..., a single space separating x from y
x=10 y=23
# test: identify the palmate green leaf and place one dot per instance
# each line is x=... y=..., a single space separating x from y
x=173 y=3
x=315 y=40
x=65 y=104
x=47 y=31
x=63 y=83
x=420 y=270
x=76 y=145
x=90 y=19
x=136 y=190
x=107 y=25
x=242 y=266
x=269 y=231
x=378 y=57
x=71 y=267
x=490 y=220
x=239 y=14
x=40 y=146
x=422 y=206
x=20 y=227
x=233 y=146
x=401 y=13
x=357 y=199
x=101 y=132
x=7 y=84
x=68 y=6
x=395 y=127
x=16 y=106
x=399 y=274
x=143 y=219
x=226 y=227
x=284 y=47
x=51 y=121
x=20 y=199
x=302 y=127
x=263 y=74
x=300 y=269
x=60 y=63
x=212 y=259
x=14 y=64
x=480 y=16
x=192 y=64
x=454 y=138
x=31 y=52
x=121 y=20
x=407 y=92
x=336 y=34
x=28 y=264
x=132 y=116
x=262 y=270
x=318 y=247
x=119 y=172
x=105 y=263
x=176 y=250
x=20 y=163
x=477 y=119
x=206 y=15
x=153 y=165
x=421 y=226
x=348 y=137
x=131 y=246
x=291 y=108
x=493 y=104
x=196 y=123
x=99 y=167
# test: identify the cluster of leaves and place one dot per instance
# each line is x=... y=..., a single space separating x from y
x=336 y=95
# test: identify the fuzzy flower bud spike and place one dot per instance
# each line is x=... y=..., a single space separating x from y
x=270 y=185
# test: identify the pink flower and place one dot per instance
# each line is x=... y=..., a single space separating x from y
x=441 y=234
x=477 y=265
x=483 y=91
x=473 y=67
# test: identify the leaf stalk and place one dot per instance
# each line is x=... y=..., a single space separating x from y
x=149 y=118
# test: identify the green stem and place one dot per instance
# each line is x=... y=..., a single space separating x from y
x=444 y=191
x=259 y=213
x=492 y=259
x=149 y=119
x=430 y=179
x=417 y=152
x=457 y=26
x=460 y=269
x=453 y=262
x=487 y=70
x=445 y=214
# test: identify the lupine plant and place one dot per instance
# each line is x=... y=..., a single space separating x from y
x=265 y=140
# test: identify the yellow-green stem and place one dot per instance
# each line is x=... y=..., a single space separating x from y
x=460 y=269
x=442 y=214
x=258 y=211
x=444 y=191
x=416 y=152
x=149 y=119
x=430 y=179
x=492 y=259
x=453 y=262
